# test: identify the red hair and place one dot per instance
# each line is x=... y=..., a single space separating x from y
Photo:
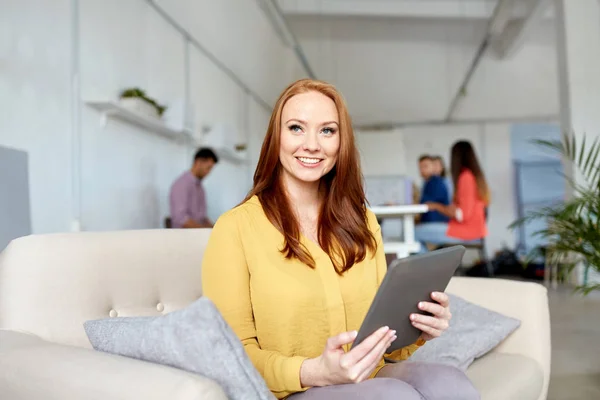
x=343 y=230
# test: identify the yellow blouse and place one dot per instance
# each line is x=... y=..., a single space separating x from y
x=282 y=310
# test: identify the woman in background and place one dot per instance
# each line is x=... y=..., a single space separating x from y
x=295 y=267
x=467 y=210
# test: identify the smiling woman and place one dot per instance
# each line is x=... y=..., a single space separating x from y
x=308 y=176
x=294 y=268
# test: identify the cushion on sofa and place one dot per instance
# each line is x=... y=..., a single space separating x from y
x=196 y=339
x=500 y=376
x=473 y=332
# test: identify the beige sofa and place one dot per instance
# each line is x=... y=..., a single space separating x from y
x=51 y=284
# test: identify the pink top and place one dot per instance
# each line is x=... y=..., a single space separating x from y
x=187 y=200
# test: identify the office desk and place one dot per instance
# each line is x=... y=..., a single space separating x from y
x=406 y=213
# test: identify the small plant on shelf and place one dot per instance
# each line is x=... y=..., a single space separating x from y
x=136 y=94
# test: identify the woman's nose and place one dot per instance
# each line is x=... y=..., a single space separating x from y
x=311 y=142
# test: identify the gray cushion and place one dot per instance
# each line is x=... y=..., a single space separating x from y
x=196 y=339
x=473 y=332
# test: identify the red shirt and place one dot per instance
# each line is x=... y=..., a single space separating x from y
x=472 y=226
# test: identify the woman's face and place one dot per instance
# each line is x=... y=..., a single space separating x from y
x=310 y=138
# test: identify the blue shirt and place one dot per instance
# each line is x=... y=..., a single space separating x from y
x=435 y=190
x=449 y=186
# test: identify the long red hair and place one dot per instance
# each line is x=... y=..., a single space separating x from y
x=343 y=230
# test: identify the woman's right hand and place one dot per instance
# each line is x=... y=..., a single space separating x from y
x=432 y=206
x=335 y=366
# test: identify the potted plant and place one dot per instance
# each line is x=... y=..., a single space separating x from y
x=135 y=99
x=571 y=232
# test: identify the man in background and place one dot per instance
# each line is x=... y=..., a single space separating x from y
x=187 y=199
x=434 y=190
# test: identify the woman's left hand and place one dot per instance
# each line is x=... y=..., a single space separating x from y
x=433 y=326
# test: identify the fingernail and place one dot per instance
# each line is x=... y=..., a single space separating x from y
x=394 y=338
x=421 y=305
x=393 y=332
x=385 y=328
x=413 y=317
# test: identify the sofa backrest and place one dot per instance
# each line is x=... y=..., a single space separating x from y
x=51 y=284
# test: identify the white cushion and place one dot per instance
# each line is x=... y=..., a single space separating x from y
x=500 y=376
x=525 y=301
x=33 y=369
x=51 y=284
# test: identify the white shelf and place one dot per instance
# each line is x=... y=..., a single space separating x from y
x=223 y=153
x=112 y=109
x=231 y=155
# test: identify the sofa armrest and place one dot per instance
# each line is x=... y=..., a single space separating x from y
x=31 y=368
x=525 y=301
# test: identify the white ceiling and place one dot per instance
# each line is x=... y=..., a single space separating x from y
x=403 y=61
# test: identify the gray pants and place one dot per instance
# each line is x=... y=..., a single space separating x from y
x=402 y=381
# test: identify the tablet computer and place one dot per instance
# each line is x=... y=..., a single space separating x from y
x=407 y=282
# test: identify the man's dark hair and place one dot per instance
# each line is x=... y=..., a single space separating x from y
x=425 y=157
x=205 y=153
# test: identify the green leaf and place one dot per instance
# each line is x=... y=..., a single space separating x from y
x=572 y=233
x=587 y=289
x=592 y=157
x=579 y=160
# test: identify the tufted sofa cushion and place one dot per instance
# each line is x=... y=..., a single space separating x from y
x=51 y=284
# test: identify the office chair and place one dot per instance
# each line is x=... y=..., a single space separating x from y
x=478 y=245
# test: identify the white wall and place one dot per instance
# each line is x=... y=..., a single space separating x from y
x=239 y=34
x=35 y=103
x=382 y=152
x=124 y=173
x=399 y=151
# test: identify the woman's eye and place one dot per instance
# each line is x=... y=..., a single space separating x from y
x=295 y=128
x=328 y=131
